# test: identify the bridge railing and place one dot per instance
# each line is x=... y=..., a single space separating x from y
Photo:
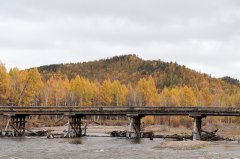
x=97 y=108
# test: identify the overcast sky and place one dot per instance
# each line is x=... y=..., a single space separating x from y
x=201 y=34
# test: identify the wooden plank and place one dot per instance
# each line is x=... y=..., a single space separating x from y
x=207 y=111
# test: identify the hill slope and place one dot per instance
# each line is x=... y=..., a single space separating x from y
x=130 y=68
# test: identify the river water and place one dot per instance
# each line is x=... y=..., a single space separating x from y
x=106 y=147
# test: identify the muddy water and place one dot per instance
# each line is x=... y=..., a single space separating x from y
x=106 y=147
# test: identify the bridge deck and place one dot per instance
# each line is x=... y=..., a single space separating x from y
x=62 y=110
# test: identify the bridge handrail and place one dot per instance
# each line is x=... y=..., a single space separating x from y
x=2 y=108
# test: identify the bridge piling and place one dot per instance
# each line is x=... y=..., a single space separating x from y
x=74 y=126
x=135 y=127
x=16 y=125
x=197 y=126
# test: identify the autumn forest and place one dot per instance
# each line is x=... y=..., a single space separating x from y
x=119 y=81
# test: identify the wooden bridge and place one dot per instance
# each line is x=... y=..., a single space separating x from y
x=17 y=115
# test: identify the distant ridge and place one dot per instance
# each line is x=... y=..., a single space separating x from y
x=130 y=68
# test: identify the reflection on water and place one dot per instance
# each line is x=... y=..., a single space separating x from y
x=106 y=147
x=75 y=141
x=134 y=141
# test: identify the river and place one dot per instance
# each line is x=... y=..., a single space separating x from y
x=106 y=147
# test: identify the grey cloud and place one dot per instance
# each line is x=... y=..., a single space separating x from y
x=200 y=34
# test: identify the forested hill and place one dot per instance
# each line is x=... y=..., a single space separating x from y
x=118 y=81
x=130 y=68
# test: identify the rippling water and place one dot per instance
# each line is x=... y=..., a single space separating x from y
x=106 y=147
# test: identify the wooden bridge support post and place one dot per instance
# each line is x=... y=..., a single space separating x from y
x=197 y=126
x=18 y=125
x=135 y=129
x=74 y=126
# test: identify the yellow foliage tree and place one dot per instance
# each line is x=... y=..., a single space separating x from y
x=131 y=99
x=32 y=88
x=147 y=96
x=82 y=92
x=17 y=85
x=119 y=93
x=4 y=85
x=207 y=98
x=53 y=92
x=187 y=97
x=165 y=97
x=26 y=87
x=87 y=92
x=175 y=97
x=65 y=89
x=96 y=93
x=236 y=99
x=147 y=92
x=106 y=93
x=169 y=97
x=56 y=91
